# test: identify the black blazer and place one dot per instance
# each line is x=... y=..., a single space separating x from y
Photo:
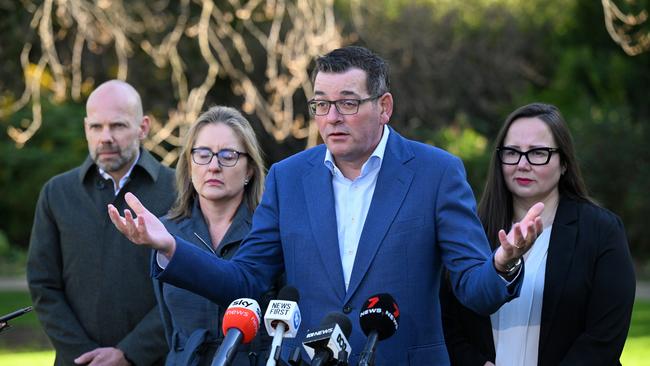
x=588 y=295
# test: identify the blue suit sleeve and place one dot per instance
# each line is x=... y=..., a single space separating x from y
x=465 y=249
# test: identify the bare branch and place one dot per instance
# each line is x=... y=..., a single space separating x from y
x=625 y=29
x=226 y=35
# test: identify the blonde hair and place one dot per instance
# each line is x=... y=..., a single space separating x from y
x=243 y=129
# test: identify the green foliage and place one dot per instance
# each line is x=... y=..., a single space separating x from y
x=4 y=244
x=58 y=146
x=12 y=259
x=602 y=94
x=614 y=160
x=640 y=320
x=444 y=65
x=481 y=59
x=465 y=142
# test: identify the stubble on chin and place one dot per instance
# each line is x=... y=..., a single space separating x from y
x=116 y=163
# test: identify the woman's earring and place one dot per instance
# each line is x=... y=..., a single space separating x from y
x=246 y=181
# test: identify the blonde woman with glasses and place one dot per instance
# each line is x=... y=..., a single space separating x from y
x=220 y=179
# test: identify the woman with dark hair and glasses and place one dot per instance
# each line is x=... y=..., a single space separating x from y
x=576 y=298
x=220 y=178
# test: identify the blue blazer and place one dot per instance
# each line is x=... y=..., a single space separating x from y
x=422 y=216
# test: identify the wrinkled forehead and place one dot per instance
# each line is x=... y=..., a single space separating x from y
x=351 y=82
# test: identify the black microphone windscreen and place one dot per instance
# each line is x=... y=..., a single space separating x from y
x=341 y=319
x=289 y=293
x=381 y=314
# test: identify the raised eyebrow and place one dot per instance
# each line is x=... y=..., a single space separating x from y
x=118 y=124
x=349 y=93
x=344 y=93
x=201 y=148
x=111 y=123
x=209 y=149
x=532 y=147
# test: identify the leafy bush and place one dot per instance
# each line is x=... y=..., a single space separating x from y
x=58 y=146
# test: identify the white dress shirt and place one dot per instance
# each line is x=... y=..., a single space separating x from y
x=516 y=325
x=352 y=200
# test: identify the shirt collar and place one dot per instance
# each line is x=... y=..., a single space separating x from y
x=377 y=155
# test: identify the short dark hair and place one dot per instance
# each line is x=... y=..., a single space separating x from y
x=495 y=208
x=345 y=58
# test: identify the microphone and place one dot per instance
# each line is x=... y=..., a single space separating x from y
x=379 y=318
x=282 y=320
x=240 y=324
x=329 y=341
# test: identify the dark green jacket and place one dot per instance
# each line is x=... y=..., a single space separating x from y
x=89 y=284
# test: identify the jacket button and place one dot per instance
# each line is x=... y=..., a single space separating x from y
x=347 y=309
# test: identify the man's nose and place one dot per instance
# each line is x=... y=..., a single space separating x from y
x=333 y=115
x=106 y=135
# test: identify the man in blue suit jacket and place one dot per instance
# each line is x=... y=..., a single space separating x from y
x=368 y=212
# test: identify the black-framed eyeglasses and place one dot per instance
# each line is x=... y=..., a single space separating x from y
x=225 y=157
x=536 y=156
x=321 y=107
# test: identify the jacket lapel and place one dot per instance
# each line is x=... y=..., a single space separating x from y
x=196 y=229
x=392 y=186
x=319 y=197
x=558 y=263
x=96 y=191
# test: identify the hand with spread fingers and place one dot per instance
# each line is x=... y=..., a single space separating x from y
x=519 y=240
x=143 y=229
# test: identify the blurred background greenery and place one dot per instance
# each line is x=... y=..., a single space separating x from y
x=458 y=68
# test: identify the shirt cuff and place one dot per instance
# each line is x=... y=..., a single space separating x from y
x=161 y=260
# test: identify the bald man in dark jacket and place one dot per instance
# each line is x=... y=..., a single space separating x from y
x=90 y=286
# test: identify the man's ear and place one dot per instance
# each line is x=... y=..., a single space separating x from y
x=145 y=125
x=386 y=105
